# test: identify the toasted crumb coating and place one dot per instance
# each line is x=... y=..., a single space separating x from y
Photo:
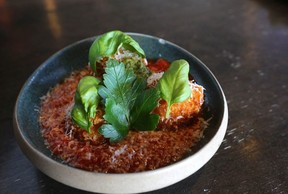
x=183 y=110
x=139 y=151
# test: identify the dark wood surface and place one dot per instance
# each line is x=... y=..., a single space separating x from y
x=244 y=43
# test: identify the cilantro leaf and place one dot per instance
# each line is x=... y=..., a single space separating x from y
x=115 y=114
x=127 y=102
x=117 y=83
x=141 y=117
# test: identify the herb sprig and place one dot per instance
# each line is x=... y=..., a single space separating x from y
x=174 y=84
x=85 y=102
x=109 y=43
x=125 y=104
x=129 y=104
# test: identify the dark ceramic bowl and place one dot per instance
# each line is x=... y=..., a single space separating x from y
x=75 y=56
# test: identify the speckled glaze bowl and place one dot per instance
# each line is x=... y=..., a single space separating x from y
x=75 y=56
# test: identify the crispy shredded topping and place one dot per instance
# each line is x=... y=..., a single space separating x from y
x=139 y=151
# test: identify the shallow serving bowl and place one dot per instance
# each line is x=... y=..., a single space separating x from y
x=75 y=56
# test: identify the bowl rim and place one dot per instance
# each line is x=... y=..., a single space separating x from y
x=121 y=183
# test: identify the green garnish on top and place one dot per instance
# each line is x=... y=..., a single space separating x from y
x=174 y=84
x=129 y=104
x=109 y=43
x=85 y=102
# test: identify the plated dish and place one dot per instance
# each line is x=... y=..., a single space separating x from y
x=109 y=137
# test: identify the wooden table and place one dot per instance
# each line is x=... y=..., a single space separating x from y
x=244 y=43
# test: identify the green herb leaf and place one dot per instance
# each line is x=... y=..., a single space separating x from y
x=127 y=102
x=141 y=117
x=174 y=84
x=115 y=114
x=79 y=116
x=109 y=43
x=118 y=82
x=119 y=100
x=86 y=101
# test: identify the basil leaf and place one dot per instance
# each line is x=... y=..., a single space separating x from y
x=79 y=116
x=109 y=43
x=174 y=84
x=86 y=101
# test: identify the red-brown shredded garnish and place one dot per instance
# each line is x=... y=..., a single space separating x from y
x=139 y=151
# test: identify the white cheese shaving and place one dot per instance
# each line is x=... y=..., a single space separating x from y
x=153 y=79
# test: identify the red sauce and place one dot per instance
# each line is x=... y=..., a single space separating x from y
x=159 y=65
x=139 y=151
